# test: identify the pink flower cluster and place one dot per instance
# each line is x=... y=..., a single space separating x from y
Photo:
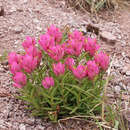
x=24 y=63
x=61 y=53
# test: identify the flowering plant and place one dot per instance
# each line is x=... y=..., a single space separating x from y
x=61 y=77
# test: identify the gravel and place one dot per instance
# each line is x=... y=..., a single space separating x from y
x=22 y=18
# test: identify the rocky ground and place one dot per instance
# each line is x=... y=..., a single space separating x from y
x=19 y=18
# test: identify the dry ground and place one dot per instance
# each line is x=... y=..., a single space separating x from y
x=31 y=17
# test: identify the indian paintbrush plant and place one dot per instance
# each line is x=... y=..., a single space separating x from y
x=60 y=76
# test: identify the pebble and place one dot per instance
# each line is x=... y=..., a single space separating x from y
x=108 y=37
x=126 y=69
x=117 y=89
x=128 y=73
x=39 y=127
x=24 y=1
x=12 y=9
x=17 y=29
x=22 y=127
x=36 y=20
x=39 y=28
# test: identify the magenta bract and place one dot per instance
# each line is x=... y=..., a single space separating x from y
x=102 y=60
x=48 y=82
x=69 y=62
x=46 y=42
x=15 y=67
x=79 y=72
x=54 y=32
x=29 y=63
x=92 y=69
x=56 y=52
x=28 y=42
x=91 y=46
x=19 y=79
x=58 y=69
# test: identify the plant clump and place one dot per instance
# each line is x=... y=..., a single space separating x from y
x=61 y=76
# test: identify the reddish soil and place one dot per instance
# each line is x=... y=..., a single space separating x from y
x=32 y=17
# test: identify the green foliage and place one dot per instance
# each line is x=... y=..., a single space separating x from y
x=68 y=97
x=3 y=57
x=115 y=117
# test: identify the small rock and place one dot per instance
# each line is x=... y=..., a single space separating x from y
x=128 y=73
x=39 y=28
x=93 y=28
x=22 y=127
x=5 y=63
x=1 y=11
x=36 y=20
x=40 y=127
x=17 y=29
x=108 y=37
x=126 y=70
x=12 y=9
x=117 y=89
x=24 y=1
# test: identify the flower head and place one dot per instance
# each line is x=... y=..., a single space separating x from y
x=69 y=62
x=91 y=46
x=73 y=47
x=102 y=60
x=12 y=57
x=56 y=52
x=79 y=72
x=53 y=31
x=28 y=42
x=15 y=67
x=19 y=79
x=77 y=35
x=48 y=82
x=29 y=63
x=92 y=69
x=59 y=68
x=34 y=52
x=46 y=42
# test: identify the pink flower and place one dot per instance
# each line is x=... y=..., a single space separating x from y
x=15 y=67
x=69 y=62
x=19 y=79
x=29 y=63
x=12 y=57
x=79 y=72
x=56 y=52
x=76 y=35
x=102 y=60
x=28 y=42
x=59 y=69
x=73 y=47
x=48 y=82
x=53 y=31
x=91 y=46
x=92 y=69
x=46 y=42
x=34 y=52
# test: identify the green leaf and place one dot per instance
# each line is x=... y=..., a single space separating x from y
x=116 y=124
x=82 y=91
x=74 y=110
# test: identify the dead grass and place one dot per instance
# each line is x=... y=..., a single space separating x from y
x=94 y=6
